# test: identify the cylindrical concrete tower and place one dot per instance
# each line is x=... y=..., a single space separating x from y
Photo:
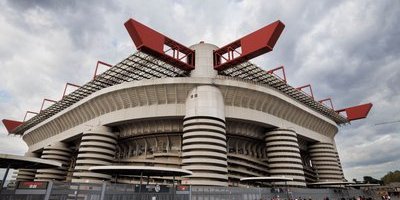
x=27 y=174
x=97 y=148
x=204 y=60
x=58 y=152
x=284 y=157
x=325 y=161
x=204 y=139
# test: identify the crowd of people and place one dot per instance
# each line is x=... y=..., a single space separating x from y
x=385 y=197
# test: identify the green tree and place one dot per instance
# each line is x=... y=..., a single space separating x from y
x=391 y=177
x=369 y=179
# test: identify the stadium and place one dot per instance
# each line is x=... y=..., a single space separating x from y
x=202 y=108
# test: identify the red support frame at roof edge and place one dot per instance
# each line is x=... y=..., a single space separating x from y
x=153 y=43
x=327 y=99
x=307 y=86
x=357 y=112
x=11 y=125
x=248 y=47
x=66 y=86
x=97 y=67
x=282 y=68
x=29 y=112
x=48 y=100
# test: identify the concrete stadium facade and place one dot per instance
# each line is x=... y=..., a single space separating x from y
x=219 y=127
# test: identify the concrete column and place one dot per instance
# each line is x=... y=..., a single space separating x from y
x=58 y=152
x=284 y=157
x=27 y=174
x=204 y=60
x=325 y=161
x=204 y=137
x=97 y=148
x=204 y=140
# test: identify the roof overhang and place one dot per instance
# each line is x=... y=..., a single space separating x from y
x=268 y=179
x=140 y=170
x=330 y=183
x=17 y=162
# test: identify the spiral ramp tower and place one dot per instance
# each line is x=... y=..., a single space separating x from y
x=325 y=161
x=284 y=157
x=58 y=152
x=204 y=147
x=97 y=148
x=27 y=174
x=204 y=139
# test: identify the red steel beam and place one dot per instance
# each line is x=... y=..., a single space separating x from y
x=327 y=99
x=306 y=86
x=97 y=67
x=29 y=112
x=66 y=86
x=153 y=43
x=248 y=47
x=48 y=100
x=11 y=124
x=357 y=112
x=282 y=68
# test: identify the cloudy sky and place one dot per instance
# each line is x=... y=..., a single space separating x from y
x=347 y=50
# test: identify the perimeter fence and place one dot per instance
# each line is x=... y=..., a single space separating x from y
x=107 y=191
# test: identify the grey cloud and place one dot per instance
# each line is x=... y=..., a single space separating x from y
x=351 y=56
x=24 y=5
x=84 y=20
x=377 y=150
x=358 y=63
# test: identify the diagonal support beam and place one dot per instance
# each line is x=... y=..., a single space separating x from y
x=66 y=86
x=97 y=67
x=248 y=47
x=29 y=112
x=309 y=87
x=356 y=112
x=327 y=99
x=282 y=68
x=156 y=44
x=44 y=100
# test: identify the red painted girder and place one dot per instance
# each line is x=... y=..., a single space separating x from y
x=252 y=45
x=357 y=112
x=11 y=124
x=153 y=43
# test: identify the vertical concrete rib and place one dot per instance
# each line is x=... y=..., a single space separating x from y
x=284 y=157
x=97 y=148
x=27 y=174
x=204 y=139
x=325 y=162
x=58 y=152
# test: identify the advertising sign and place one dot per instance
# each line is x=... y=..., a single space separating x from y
x=40 y=185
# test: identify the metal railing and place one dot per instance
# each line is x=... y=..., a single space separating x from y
x=107 y=191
